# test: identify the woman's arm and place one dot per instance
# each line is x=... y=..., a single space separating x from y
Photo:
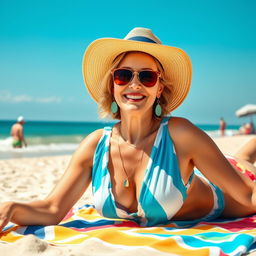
x=70 y=188
x=207 y=157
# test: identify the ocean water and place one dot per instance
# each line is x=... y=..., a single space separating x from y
x=45 y=138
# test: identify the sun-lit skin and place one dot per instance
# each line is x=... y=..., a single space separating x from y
x=135 y=100
x=134 y=96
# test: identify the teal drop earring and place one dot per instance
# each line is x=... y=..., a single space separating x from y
x=158 y=108
x=114 y=107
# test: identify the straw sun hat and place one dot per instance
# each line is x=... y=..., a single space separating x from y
x=101 y=53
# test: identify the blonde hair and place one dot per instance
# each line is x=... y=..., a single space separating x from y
x=107 y=97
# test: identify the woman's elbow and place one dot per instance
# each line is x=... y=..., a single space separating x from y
x=57 y=215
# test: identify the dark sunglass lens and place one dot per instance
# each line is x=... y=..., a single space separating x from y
x=122 y=76
x=148 y=78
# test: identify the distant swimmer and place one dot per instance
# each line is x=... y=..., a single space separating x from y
x=222 y=126
x=17 y=133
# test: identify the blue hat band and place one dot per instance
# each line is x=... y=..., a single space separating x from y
x=142 y=39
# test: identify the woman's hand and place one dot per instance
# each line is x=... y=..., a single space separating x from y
x=6 y=213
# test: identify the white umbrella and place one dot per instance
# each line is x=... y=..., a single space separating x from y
x=247 y=110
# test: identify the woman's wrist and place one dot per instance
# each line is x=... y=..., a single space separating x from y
x=12 y=208
x=10 y=205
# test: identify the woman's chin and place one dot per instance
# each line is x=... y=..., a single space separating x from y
x=134 y=110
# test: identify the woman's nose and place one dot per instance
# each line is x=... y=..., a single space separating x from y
x=135 y=82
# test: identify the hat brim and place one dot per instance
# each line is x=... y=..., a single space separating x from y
x=101 y=53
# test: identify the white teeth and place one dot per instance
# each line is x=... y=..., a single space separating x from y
x=134 y=97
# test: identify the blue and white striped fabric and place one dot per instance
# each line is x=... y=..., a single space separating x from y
x=162 y=193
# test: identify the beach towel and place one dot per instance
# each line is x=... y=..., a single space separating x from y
x=218 y=237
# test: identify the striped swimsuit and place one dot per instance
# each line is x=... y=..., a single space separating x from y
x=163 y=191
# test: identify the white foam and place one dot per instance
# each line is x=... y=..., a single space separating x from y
x=7 y=151
x=216 y=133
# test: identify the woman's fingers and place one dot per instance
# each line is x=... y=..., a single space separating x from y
x=5 y=214
x=3 y=222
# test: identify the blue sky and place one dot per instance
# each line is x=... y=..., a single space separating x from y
x=42 y=44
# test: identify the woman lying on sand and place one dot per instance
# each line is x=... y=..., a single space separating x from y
x=145 y=167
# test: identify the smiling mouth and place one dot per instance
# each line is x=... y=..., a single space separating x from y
x=134 y=97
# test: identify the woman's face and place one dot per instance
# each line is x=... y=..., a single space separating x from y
x=135 y=96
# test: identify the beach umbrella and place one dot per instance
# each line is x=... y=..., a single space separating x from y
x=247 y=110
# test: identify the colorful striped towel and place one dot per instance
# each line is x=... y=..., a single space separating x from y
x=221 y=237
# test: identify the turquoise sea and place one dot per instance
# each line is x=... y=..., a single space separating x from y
x=45 y=138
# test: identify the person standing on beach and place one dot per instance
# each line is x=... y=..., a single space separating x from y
x=18 y=134
x=222 y=126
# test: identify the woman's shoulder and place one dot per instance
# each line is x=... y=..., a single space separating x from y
x=86 y=148
x=92 y=139
x=180 y=124
x=182 y=131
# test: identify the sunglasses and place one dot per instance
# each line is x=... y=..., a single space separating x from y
x=123 y=76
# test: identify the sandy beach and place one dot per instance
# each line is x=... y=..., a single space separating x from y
x=29 y=179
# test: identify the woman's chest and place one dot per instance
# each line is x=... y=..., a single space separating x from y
x=149 y=182
x=127 y=174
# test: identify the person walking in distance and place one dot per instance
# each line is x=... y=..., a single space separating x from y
x=18 y=134
x=222 y=126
